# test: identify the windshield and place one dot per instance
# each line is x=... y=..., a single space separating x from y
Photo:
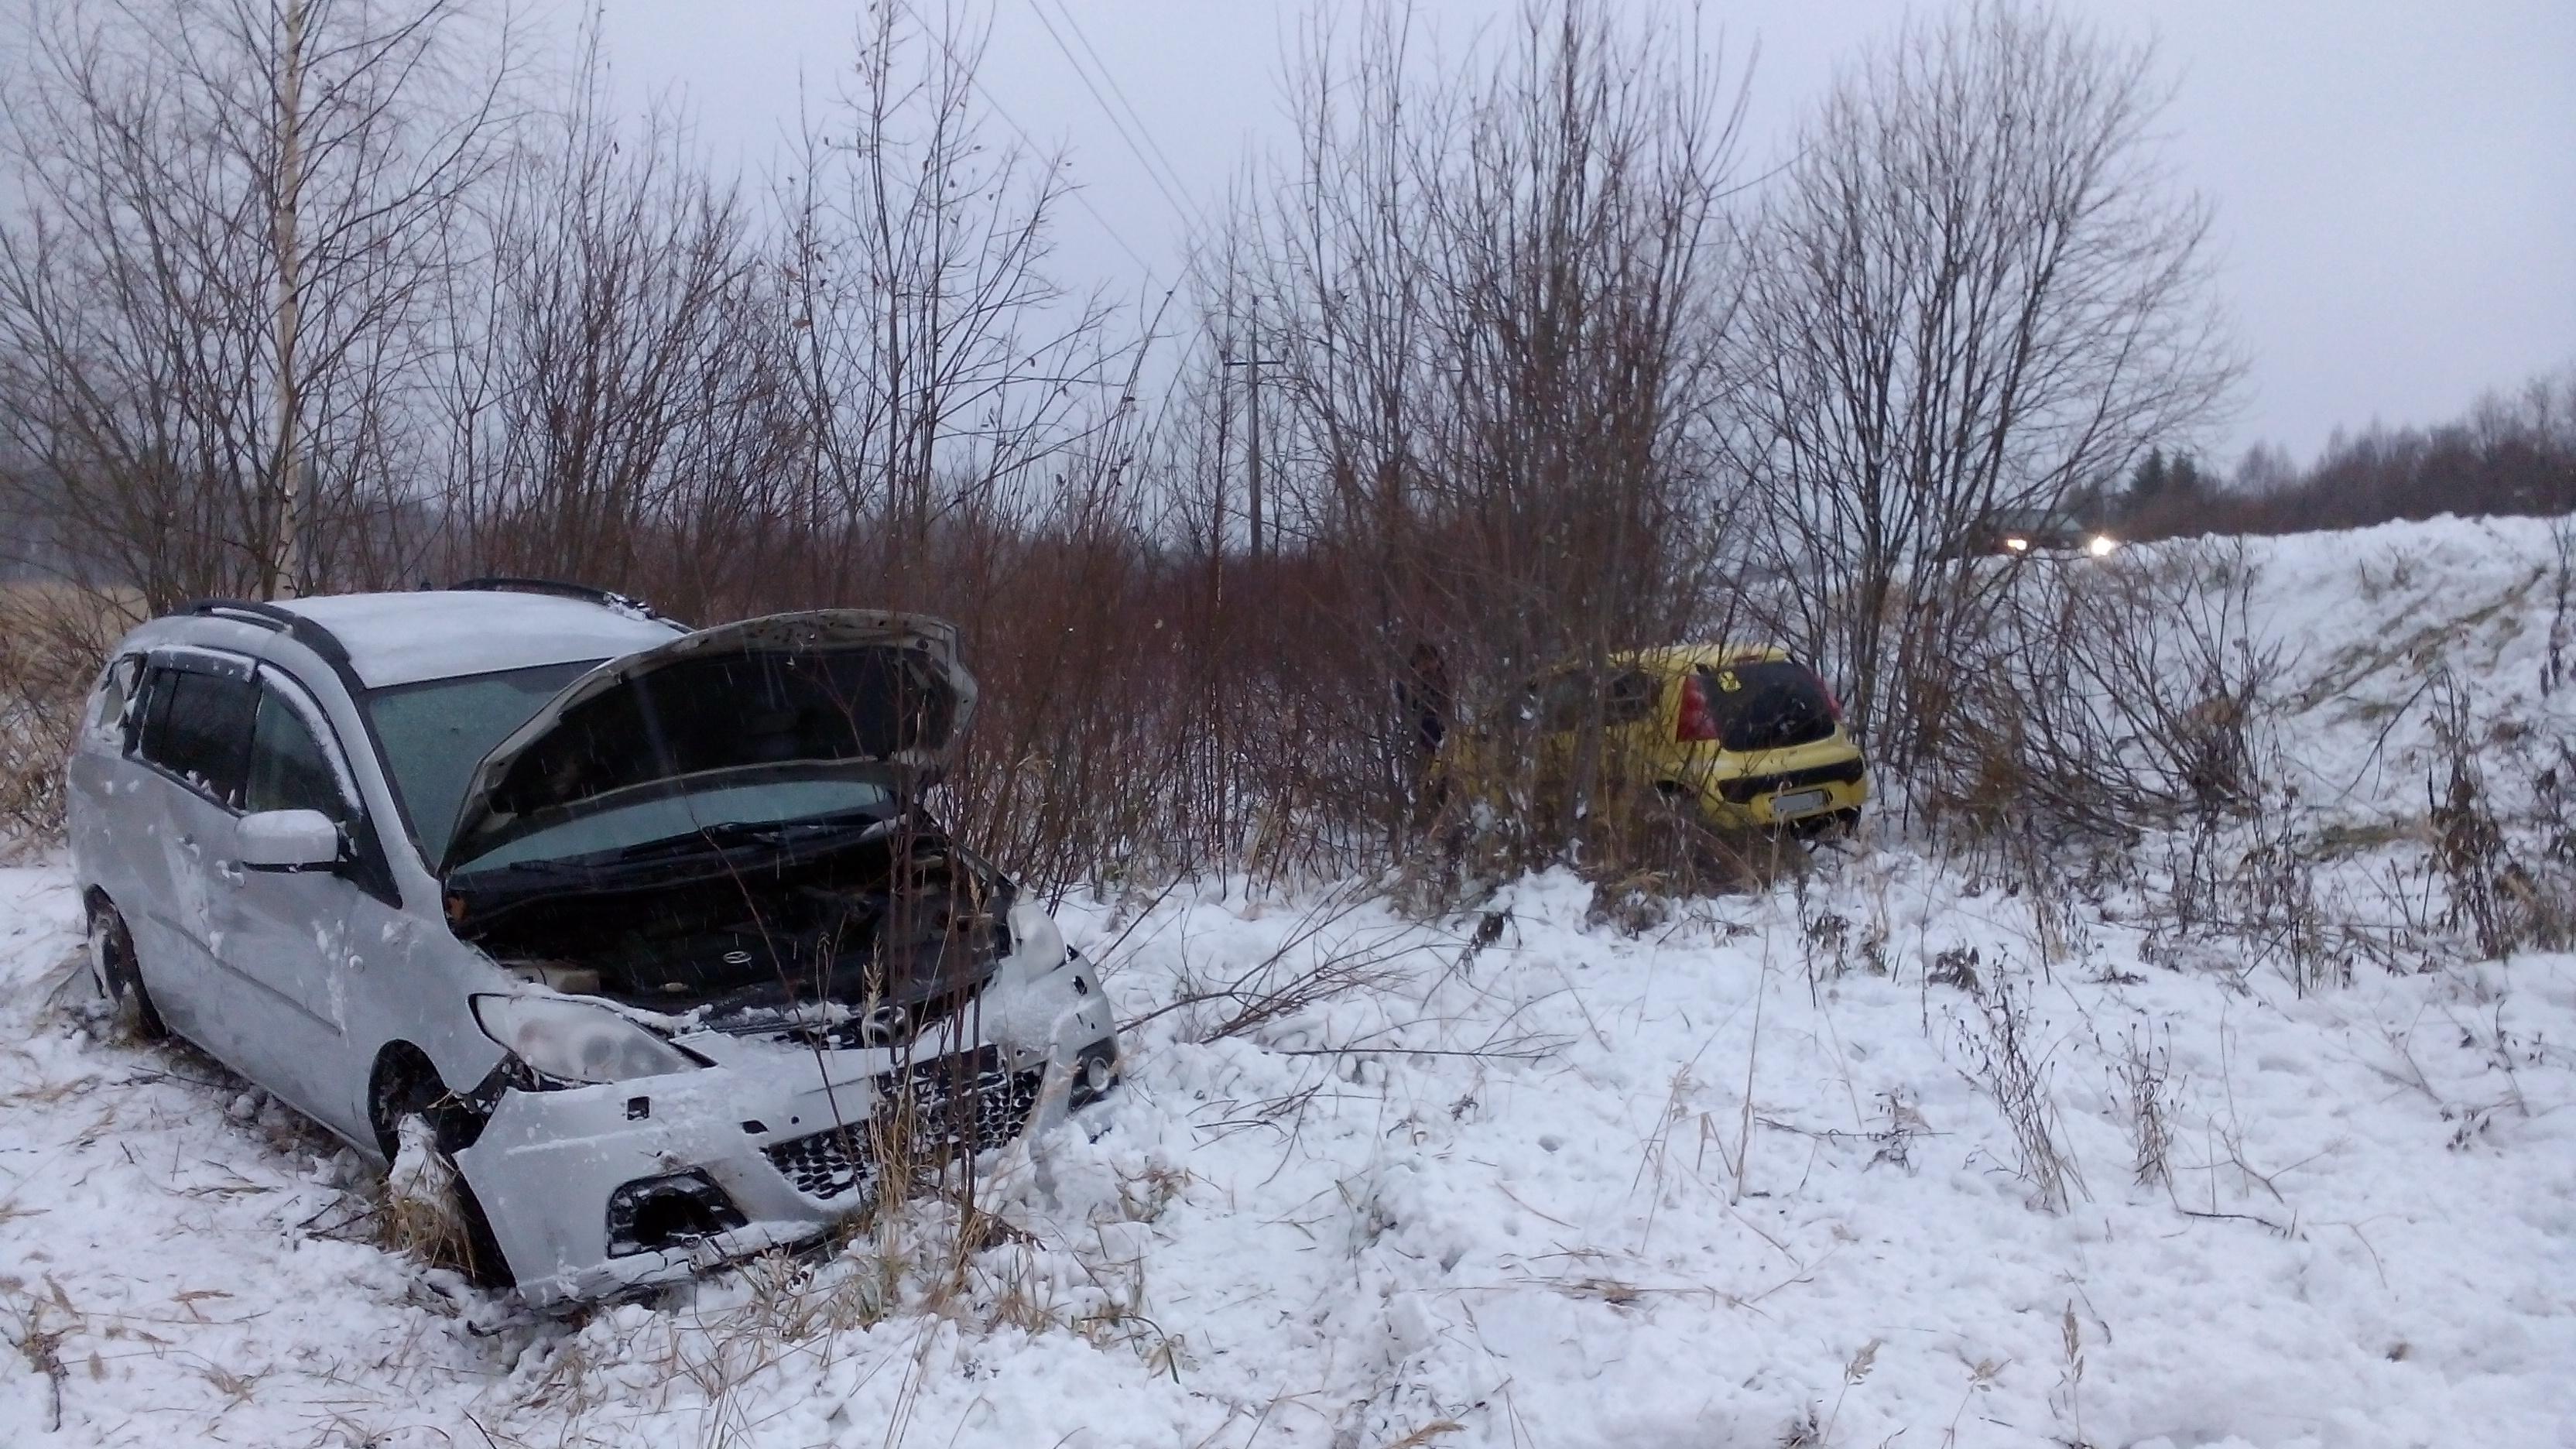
x=434 y=733
x=681 y=817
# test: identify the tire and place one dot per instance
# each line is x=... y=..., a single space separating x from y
x=120 y=980
x=406 y=1085
x=1833 y=825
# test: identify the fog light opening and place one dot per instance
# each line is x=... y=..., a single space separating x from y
x=654 y=1213
x=1094 y=1073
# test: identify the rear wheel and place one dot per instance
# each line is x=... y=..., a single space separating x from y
x=430 y=1206
x=120 y=980
x=1831 y=825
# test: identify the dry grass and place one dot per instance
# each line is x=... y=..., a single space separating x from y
x=419 y=1216
x=2017 y=1078
x=52 y=638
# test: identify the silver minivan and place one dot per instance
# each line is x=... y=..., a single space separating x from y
x=642 y=930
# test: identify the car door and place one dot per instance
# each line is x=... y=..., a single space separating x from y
x=305 y=941
x=191 y=741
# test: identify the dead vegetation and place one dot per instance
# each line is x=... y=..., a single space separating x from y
x=2015 y=1073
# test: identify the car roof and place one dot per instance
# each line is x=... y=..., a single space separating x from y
x=404 y=638
x=1672 y=658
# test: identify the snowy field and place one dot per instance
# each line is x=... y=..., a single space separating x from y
x=1890 y=1155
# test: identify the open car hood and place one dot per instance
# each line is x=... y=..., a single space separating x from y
x=837 y=691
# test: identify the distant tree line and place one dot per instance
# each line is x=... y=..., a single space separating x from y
x=2513 y=454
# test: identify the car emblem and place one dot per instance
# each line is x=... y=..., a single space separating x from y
x=737 y=958
x=883 y=1025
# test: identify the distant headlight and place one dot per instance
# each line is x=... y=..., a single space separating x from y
x=2018 y=545
x=577 y=1041
x=2102 y=545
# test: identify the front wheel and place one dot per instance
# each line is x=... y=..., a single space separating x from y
x=120 y=980
x=430 y=1209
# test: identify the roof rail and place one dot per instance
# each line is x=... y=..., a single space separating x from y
x=285 y=621
x=605 y=598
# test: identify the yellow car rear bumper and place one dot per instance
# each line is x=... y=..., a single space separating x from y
x=1787 y=804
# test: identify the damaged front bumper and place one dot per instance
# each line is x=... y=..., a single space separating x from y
x=593 y=1191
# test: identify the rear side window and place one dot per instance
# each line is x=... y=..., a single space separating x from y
x=1566 y=699
x=288 y=770
x=1767 y=705
x=198 y=727
x=1630 y=698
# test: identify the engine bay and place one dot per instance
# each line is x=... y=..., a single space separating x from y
x=898 y=928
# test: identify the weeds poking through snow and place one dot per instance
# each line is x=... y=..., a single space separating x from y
x=2018 y=1082
x=2068 y=1400
x=42 y=1346
x=1855 y=1370
x=2143 y=1072
x=1805 y=1431
x=1904 y=1124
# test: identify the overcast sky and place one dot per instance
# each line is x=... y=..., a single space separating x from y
x=2395 y=179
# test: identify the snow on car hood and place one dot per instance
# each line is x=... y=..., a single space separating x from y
x=776 y=697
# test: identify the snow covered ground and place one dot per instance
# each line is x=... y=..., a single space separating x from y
x=1890 y=1155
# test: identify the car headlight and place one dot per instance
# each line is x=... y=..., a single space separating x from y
x=2017 y=545
x=2102 y=545
x=577 y=1041
x=1035 y=937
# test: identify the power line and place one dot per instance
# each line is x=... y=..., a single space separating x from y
x=1110 y=76
x=977 y=81
x=1187 y=214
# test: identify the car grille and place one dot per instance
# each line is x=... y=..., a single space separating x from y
x=1738 y=791
x=966 y=1102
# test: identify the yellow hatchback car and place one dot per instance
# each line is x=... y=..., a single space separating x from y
x=1743 y=735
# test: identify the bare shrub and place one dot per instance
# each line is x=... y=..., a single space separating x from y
x=1322 y=959
x=1984 y=293
x=2110 y=698
x=2508 y=894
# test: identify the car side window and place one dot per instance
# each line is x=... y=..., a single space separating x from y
x=288 y=767
x=1563 y=701
x=197 y=726
x=1630 y=698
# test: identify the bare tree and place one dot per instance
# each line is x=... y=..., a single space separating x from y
x=938 y=361
x=1976 y=287
x=1491 y=299
x=213 y=294
x=617 y=379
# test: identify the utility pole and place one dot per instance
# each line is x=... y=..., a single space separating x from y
x=1252 y=434
x=1224 y=454
x=1251 y=365
x=291 y=564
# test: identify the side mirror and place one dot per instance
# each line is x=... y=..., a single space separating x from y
x=288 y=840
